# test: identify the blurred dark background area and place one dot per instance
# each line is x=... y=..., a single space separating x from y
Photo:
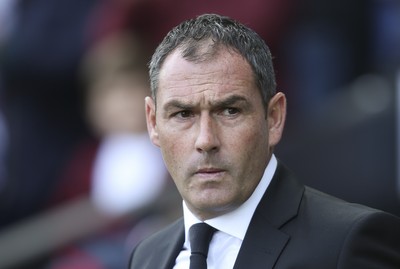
x=338 y=62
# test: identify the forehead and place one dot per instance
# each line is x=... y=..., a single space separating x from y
x=226 y=72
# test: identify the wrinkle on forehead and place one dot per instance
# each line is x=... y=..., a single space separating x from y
x=204 y=97
x=207 y=95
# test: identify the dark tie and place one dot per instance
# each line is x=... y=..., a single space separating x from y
x=200 y=235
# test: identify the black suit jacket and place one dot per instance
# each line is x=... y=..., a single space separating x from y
x=295 y=227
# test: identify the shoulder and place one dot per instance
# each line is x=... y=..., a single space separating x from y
x=162 y=235
x=158 y=245
x=362 y=235
x=372 y=238
x=339 y=214
x=333 y=207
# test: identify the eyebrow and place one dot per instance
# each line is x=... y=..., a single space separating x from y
x=176 y=104
x=229 y=101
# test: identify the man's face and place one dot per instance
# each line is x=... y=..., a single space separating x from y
x=213 y=130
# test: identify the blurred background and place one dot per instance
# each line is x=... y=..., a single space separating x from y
x=80 y=182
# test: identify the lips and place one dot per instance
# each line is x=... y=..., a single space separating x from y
x=209 y=172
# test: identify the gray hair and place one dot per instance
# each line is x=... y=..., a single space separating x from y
x=216 y=32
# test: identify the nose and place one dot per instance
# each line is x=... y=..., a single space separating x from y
x=207 y=139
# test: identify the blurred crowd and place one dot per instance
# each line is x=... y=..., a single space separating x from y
x=77 y=169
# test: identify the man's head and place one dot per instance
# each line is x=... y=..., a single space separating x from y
x=214 y=32
x=214 y=124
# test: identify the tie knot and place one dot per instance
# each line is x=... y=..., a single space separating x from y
x=200 y=235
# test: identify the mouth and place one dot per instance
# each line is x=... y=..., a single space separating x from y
x=210 y=172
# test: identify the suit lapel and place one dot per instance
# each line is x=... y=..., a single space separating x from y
x=264 y=241
x=168 y=248
x=261 y=247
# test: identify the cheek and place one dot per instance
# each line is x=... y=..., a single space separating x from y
x=173 y=152
x=249 y=138
x=250 y=148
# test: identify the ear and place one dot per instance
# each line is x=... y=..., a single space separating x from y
x=151 y=120
x=276 y=118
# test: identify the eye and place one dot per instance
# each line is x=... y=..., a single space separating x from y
x=230 y=111
x=183 y=114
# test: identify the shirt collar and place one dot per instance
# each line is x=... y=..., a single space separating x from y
x=235 y=223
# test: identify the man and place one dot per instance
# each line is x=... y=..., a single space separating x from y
x=216 y=116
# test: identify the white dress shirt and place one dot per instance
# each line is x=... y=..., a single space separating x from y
x=232 y=227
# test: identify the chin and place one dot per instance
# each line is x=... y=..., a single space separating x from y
x=214 y=207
